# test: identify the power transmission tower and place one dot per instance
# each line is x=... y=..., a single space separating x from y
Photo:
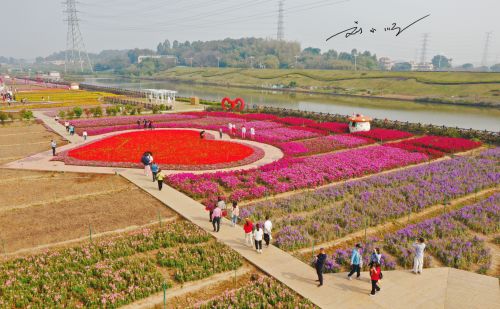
x=75 y=47
x=423 y=54
x=484 y=60
x=281 y=27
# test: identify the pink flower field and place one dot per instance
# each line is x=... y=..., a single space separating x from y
x=324 y=144
x=293 y=173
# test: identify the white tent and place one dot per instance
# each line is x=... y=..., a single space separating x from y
x=161 y=96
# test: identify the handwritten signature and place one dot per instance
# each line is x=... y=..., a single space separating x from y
x=359 y=30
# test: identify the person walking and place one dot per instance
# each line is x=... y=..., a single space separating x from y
x=243 y=132
x=154 y=169
x=258 y=235
x=252 y=133
x=230 y=128
x=375 y=257
x=138 y=123
x=235 y=213
x=418 y=260
x=268 y=226
x=53 y=145
x=159 y=177
x=84 y=134
x=220 y=133
x=216 y=216
x=356 y=261
x=66 y=125
x=248 y=228
x=375 y=276
x=146 y=162
x=319 y=263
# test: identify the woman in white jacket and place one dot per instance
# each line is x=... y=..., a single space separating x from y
x=258 y=234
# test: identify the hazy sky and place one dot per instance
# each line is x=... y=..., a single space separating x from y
x=456 y=28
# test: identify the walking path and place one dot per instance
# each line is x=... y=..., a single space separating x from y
x=436 y=288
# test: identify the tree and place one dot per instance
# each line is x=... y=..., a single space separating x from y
x=467 y=66
x=495 y=67
x=402 y=66
x=26 y=114
x=3 y=117
x=78 y=111
x=62 y=114
x=96 y=111
x=312 y=51
x=70 y=113
x=441 y=62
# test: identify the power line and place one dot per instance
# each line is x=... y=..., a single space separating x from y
x=75 y=46
x=281 y=31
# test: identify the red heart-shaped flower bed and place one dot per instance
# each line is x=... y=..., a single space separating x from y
x=172 y=149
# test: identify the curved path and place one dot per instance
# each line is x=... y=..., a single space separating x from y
x=436 y=288
x=41 y=161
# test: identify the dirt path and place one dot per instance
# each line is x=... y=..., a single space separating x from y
x=86 y=238
x=332 y=184
x=431 y=211
x=189 y=287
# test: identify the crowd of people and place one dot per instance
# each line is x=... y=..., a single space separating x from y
x=144 y=123
x=375 y=262
x=233 y=131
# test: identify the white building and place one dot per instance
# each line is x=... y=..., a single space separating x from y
x=425 y=66
x=385 y=63
x=141 y=58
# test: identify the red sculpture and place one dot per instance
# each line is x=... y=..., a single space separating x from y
x=237 y=103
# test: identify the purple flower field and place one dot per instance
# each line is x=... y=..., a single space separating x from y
x=335 y=211
x=448 y=238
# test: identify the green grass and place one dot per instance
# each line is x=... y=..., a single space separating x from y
x=465 y=86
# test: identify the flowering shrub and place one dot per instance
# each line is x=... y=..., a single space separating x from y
x=384 y=134
x=198 y=262
x=284 y=134
x=123 y=120
x=106 y=273
x=258 y=116
x=483 y=217
x=410 y=146
x=334 y=127
x=446 y=144
x=296 y=121
x=323 y=144
x=264 y=292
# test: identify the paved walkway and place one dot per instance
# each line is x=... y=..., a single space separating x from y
x=436 y=288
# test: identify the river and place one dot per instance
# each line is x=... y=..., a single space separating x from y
x=480 y=118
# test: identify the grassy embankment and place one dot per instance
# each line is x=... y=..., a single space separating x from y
x=449 y=87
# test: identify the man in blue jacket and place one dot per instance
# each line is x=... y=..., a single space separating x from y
x=356 y=261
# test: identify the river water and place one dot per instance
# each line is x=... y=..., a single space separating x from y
x=426 y=113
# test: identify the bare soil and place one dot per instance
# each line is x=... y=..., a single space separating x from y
x=22 y=138
x=39 y=208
